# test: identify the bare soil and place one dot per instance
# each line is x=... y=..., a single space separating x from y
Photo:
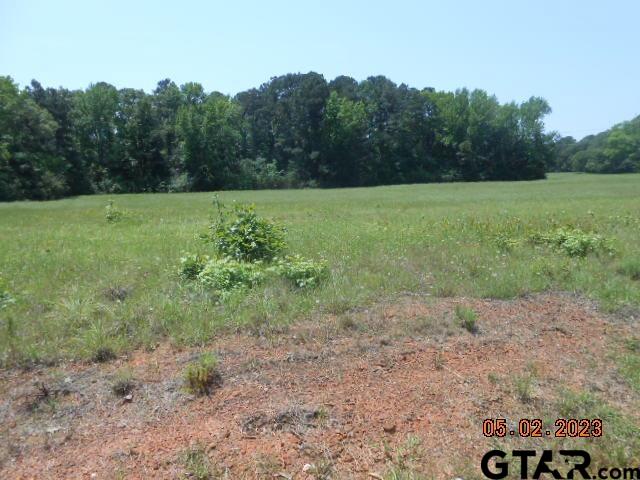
x=340 y=394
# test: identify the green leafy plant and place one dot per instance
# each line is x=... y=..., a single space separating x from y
x=301 y=271
x=245 y=236
x=202 y=375
x=192 y=264
x=573 y=241
x=225 y=274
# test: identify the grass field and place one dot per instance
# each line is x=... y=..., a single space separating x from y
x=85 y=287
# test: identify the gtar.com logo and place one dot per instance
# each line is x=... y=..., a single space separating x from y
x=527 y=458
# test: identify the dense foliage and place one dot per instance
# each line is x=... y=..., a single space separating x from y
x=616 y=150
x=295 y=130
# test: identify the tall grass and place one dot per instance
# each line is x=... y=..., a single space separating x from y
x=62 y=260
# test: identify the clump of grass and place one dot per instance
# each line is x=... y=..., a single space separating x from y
x=629 y=363
x=202 y=375
x=630 y=268
x=197 y=463
x=403 y=462
x=468 y=318
x=524 y=385
x=123 y=382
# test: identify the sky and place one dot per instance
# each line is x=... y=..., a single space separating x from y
x=582 y=56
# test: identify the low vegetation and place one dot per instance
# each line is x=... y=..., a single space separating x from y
x=202 y=376
x=77 y=286
x=468 y=318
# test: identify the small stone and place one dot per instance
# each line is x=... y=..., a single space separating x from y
x=128 y=398
x=307 y=467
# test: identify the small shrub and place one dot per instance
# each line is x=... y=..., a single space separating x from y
x=468 y=318
x=574 y=242
x=302 y=272
x=202 y=375
x=225 y=274
x=245 y=236
x=112 y=213
x=192 y=264
x=123 y=382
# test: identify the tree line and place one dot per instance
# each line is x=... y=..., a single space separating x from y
x=616 y=150
x=296 y=130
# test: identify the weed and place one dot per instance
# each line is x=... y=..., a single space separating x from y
x=192 y=264
x=202 y=375
x=123 y=382
x=300 y=271
x=468 y=318
x=245 y=236
x=574 y=242
x=112 y=213
x=403 y=462
x=197 y=463
x=493 y=378
x=223 y=275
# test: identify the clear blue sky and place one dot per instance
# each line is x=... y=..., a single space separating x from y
x=582 y=56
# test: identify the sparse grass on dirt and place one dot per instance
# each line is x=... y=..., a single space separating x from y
x=84 y=282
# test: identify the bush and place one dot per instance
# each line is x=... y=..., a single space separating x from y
x=246 y=236
x=192 y=265
x=574 y=242
x=225 y=274
x=302 y=272
x=202 y=375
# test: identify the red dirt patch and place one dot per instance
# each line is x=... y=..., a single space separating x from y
x=331 y=393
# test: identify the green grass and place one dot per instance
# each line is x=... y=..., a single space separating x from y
x=62 y=261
